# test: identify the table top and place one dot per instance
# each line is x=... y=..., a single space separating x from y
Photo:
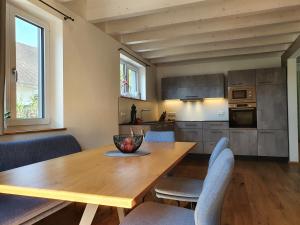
x=91 y=177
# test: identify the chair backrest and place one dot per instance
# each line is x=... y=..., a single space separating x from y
x=209 y=205
x=21 y=153
x=220 y=146
x=160 y=136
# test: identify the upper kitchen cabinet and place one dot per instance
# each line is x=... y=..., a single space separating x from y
x=241 y=78
x=271 y=99
x=270 y=76
x=193 y=87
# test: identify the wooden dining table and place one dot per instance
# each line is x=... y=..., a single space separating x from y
x=93 y=178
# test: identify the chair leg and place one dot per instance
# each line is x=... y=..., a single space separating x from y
x=178 y=203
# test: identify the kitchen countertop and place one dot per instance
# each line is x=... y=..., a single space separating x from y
x=170 y=122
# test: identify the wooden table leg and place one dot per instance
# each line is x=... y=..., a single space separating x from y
x=88 y=214
x=121 y=214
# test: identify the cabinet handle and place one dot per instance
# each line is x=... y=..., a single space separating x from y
x=217 y=132
x=267 y=132
x=192 y=96
x=190 y=125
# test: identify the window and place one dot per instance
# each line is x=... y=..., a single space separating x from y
x=132 y=79
x=27 y=72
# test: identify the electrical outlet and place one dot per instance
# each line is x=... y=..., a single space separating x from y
x=221 y=113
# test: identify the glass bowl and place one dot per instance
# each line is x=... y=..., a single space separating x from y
x=128 y=143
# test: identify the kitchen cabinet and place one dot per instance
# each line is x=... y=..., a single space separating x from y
x=243 y=141
x=271 y=99
x=193 y=87
x=189 y=135
x=206 y=134
x=270 y=76
x=271 y=106
x=189 y=124
x=241 y=78
x=190 y=131
x=140 y=129
x=273 y=143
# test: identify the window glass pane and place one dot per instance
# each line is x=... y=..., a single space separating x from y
x=123 y=79
x=29 y=66
x=132 y=78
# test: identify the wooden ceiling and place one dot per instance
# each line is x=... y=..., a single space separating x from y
x=171 y=31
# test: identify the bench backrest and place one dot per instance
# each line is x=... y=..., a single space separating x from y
x=21 y=153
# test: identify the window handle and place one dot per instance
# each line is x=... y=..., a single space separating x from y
x=15 y=73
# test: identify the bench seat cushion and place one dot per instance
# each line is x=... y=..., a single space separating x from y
x=18 y=209
x=21 y=153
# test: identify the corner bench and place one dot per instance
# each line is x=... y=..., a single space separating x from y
x=15 y=210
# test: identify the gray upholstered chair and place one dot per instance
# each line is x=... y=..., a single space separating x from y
x=160 y=136
x=187 y=189
x=209 y=205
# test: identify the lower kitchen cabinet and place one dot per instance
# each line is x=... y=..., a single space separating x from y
x=192 y=135
x=273 y=143
x=243 y=141
x=214 y=135
x=198 y=149
x=209 y=147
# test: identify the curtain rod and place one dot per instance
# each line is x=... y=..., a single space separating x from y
x=121 y=49
x=66 y=17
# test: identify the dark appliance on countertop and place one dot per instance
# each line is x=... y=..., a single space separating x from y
x=241 y=94
x=242 y=115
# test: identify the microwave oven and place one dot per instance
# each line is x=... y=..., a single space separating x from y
x=241 y=94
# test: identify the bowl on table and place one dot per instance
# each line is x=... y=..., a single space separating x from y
x=128 y=143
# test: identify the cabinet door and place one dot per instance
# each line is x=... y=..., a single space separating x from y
x=271 y=106
x=189 y=124
x=169 y=88
x=209 y=147
x=193 y=135
x=214 y=135
x=241 y=78
x=273 y=143
x=243 y=142
x=270 y=76
x=216 y=125
x=198 y=149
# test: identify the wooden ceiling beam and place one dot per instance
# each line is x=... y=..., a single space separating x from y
x=245 y=43
x=238 y=34
x=224 y=58
x=197 y=13
x=106 y=10
x=214 y=25
x=222 y=53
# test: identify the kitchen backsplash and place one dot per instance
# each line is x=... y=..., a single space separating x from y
x=150 y=107
x=208 y=109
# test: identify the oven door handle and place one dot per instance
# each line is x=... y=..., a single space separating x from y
x=242 y=109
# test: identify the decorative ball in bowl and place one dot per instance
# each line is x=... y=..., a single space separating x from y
x=128 y=143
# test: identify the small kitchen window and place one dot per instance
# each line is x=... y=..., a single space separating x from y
x=132 y=78
x=28 y=52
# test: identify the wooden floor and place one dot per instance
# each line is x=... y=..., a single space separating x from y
x=261 y=192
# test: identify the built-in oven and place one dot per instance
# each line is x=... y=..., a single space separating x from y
x=242 y=115
x=241 y=94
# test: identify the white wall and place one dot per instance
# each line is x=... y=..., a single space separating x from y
x=91 y=81
x=214 y=109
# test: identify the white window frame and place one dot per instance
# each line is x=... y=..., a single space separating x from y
x=136 y=69
x=12 y=12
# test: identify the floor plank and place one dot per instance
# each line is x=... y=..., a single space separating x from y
x=260 y=193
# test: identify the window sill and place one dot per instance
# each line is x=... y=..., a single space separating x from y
x=137 y=99
x=30 y=131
